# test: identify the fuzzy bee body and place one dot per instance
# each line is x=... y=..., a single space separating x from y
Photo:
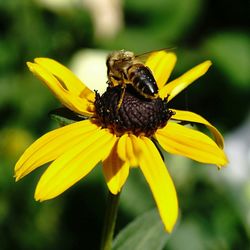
x=125 y=68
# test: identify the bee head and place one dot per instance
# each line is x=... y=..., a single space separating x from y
x=120 y=59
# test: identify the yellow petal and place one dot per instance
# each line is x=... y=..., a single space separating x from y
x=121 y=147
x=70 y=100
x=177 y=139
x=125 y=150
x=63 y=74
x=176 y=86
x=115 y=171
x=159 y=181
x=74 y=165
x=161 y=64
x=52 y=145
x=66 y=78
x=182 y=115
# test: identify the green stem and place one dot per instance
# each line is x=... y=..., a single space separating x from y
x=110 y=220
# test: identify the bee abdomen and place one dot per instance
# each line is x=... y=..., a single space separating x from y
x=143 y=81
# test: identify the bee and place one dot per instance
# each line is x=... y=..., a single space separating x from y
x=125 y=68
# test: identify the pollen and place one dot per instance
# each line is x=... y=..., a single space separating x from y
x=137 y=114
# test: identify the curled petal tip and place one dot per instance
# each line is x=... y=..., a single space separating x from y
x=38 y=199
x=209 y=62
x=30 y=65
x=206 y=65
x=17 y=178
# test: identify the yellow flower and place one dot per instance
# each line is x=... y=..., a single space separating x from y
x=75 y=149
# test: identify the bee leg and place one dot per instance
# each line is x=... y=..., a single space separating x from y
x=121 y=98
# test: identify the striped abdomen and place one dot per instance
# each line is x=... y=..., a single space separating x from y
x=143 y=81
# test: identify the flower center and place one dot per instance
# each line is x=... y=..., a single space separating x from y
x=136 y=114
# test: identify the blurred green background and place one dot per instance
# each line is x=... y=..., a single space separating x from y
x=214 y=205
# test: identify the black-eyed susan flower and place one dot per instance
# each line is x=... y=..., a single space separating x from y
x=119 y=138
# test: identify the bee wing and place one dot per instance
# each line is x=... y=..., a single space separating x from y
x=144 y=56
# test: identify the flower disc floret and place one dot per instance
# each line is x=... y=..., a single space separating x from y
x=136 y=114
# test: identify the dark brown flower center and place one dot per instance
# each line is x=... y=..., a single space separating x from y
x=136 y=114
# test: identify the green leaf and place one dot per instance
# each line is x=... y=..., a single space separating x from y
x=230 y=53
x=146 y=232
x=156 y=24
x=136 y=196
x=65 y=116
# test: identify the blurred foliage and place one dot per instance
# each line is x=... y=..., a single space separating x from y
x=146 y=232
x=211 y=211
